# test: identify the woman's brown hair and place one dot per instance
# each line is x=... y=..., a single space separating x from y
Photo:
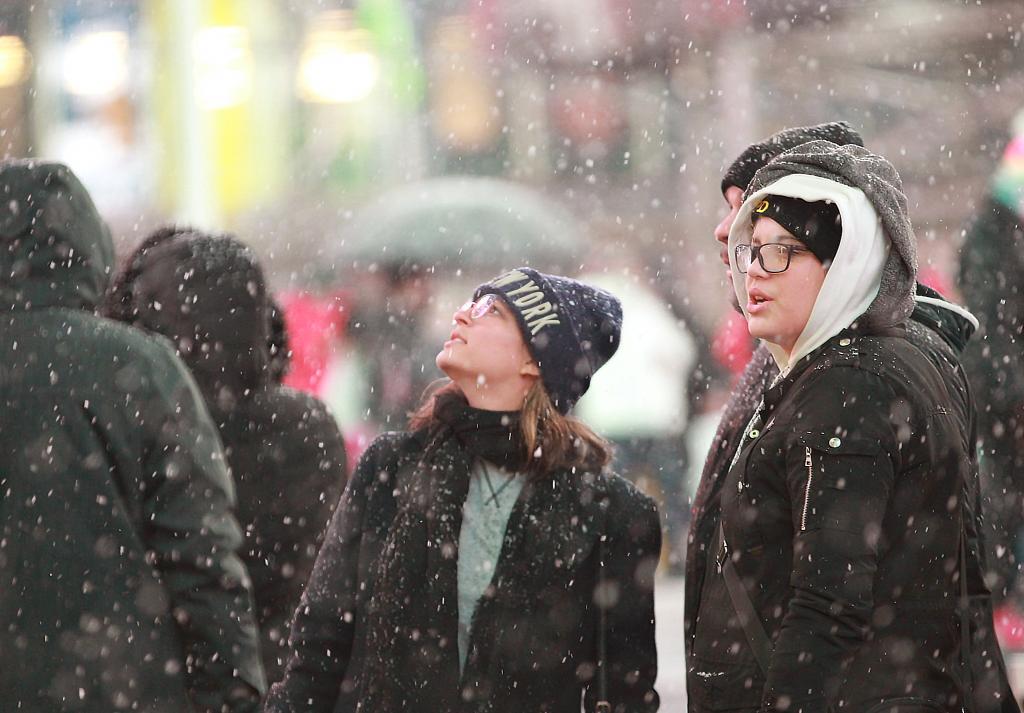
x=553 y=440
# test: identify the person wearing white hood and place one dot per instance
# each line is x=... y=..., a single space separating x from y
x=840 y=551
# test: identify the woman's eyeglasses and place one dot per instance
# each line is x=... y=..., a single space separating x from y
x=481 y=307
x=773 y=257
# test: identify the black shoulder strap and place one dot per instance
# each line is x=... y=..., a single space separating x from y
x=603 y=704
x=965 y=617
x=759 y=642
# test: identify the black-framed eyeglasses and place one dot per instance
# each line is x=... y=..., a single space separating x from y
x=481 y=307
x=774 y=257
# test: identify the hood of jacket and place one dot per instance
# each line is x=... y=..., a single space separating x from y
x=56 y=250
x=871 y=282
x=206 y=294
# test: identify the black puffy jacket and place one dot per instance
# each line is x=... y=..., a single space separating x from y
x=843 y=518
x=940 y=330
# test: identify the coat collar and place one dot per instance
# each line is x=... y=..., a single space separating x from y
x=842 y=346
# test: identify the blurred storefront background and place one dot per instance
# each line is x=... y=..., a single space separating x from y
x=280 y=119
x=311 y=128
x=269 y=114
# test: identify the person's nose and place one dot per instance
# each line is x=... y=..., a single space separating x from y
x=722 y=229
x=462 y=314
x=755 y=269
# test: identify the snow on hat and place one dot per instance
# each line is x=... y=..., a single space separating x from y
x=1008 y=180
x=816 y=224
x=742 y=170
x=570 y=328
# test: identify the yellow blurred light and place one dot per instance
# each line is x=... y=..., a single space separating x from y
x=223 y=57
x=14 y=61
x=96 y=64
x=337 y=67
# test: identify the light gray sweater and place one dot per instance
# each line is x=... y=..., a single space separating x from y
x=492 y=495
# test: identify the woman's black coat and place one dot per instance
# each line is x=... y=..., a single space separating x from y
x=533 y=645
x=851 y=486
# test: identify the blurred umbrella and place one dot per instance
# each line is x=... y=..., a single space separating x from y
x=462 y=222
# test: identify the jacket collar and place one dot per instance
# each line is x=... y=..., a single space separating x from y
x=844 y=342
x=955 y=324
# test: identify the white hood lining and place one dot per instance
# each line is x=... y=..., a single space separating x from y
x=852 y=281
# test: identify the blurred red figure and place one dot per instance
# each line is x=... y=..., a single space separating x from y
x=732 y=345
x=312 y=322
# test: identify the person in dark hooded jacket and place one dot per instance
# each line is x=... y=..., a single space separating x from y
x=938 y=327
x=207 y=294
x=991 y=270
x=486 y=559
x=120 y=587
x=841 y=543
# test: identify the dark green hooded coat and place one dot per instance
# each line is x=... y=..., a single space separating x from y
x=120 y=588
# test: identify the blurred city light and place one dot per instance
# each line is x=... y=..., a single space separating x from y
x=467 y=117
x=96 y=64
x=223 y=57
x=338 y=65
x=14 y=61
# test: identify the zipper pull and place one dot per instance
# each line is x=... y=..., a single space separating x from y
x=722 y=554
x=807 y=457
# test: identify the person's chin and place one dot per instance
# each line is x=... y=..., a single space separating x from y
x=768 y=336
x=758 y=329
x=444 y=361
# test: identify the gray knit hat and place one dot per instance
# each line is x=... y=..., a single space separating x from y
x=742 y=170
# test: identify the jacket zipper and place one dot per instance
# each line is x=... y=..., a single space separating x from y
x=723 y=554
x=807 y=491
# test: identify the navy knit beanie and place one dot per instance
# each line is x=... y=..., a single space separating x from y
x=570 y=328
x=742 y=170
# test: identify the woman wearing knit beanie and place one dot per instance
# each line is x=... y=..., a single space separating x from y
x=840 y=555
x=486 y=559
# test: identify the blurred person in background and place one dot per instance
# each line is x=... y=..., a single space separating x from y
x=848 y=586
x=641 y=402
x=487 y=559
x=933 y=317
x=992 y=281
x=387 y=328
x=207 y=294
x=120 y=588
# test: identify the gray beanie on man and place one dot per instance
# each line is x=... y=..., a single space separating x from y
x=742 y=170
